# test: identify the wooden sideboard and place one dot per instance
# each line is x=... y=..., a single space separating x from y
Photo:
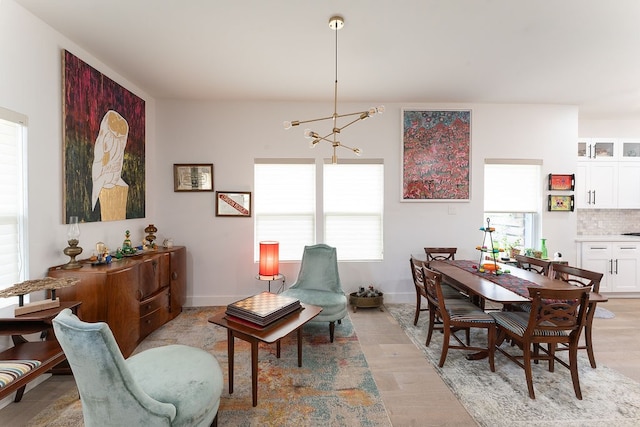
x=134 y=296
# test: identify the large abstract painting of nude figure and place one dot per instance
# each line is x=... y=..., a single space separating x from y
x=104 y=146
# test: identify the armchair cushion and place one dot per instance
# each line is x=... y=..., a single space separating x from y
x=334 y=305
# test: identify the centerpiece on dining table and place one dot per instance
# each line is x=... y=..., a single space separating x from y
x=492 y=265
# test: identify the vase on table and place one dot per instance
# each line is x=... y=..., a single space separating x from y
x=543 y=249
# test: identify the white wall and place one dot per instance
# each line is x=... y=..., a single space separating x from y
x=31 y=84
x=609 y=128
x=231 y=135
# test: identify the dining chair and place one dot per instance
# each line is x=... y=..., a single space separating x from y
x=557 y=317
x=440 y=254
x=587 y=280
x=536 y=265
x=459 y=316
x=449 y=292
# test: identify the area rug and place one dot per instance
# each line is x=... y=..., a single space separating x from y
x=334 y=386
x=501 y=398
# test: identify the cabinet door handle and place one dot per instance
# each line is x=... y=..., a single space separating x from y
x=590 y=151
x=616 y=266
x=610 y=266
x=594 y=197
x=589 y=198
x=174 y=275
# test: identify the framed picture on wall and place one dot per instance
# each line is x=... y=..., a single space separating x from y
x=562 y=182
x=560 y=203
x=192 y=177
x=233 y=203
x=436 y=154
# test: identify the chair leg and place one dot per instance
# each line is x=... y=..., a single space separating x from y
x=491 y=337
x=587 y=337
x=445 y=345
x=526 y=349
x=573 y=366
x=432 y=319
x=332 y=328
x=418 y=306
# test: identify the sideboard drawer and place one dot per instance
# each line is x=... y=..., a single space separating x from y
x=154 y=312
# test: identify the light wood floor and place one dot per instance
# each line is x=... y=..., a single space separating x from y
x=411 y=390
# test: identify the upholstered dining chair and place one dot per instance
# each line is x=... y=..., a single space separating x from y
x=557 y=317
x=585 y=279
x=174 y=385
x=418 y=281
x=462 y=315
x=318 y=283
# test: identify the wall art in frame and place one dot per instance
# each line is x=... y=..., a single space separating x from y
x=103 y=146
x=560 y=203
x=192 y=177
x=436 y=155
x=233 y=203
x=562 y=182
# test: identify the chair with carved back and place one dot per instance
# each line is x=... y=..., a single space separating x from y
x=440 y=254
x=459 y=316
x=557 y=316
x=418 y=282
x=585 y=279
x=536 y=265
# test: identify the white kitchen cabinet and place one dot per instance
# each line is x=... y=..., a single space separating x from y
x=597 y=149
x=629 y=150
x=619 y=262
x=596 y=185
x=629 y=185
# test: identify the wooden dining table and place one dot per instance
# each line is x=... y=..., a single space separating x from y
x=510 y=289
x=484 y=287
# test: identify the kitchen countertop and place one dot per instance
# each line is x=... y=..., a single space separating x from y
x=607 y=238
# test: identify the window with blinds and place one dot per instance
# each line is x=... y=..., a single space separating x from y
x=285 y=205
x=353 y=207
x=348 y=199
x=12 y=201
x=513 y=200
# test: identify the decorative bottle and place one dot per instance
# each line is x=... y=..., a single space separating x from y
x=543 y=248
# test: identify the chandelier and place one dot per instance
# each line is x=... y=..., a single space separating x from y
x=335 y=23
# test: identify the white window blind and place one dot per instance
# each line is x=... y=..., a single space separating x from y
x=353 y=205
x=12 y=201
x=285 y=205
x=512 y=185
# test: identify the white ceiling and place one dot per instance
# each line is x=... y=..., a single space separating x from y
x=579 y=52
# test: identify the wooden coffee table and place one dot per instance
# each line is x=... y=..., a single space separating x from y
x=270 y=334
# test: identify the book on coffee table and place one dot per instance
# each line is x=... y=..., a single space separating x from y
x=264 y=308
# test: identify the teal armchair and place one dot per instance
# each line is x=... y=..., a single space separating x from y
x=319 y=284
x=174 y=385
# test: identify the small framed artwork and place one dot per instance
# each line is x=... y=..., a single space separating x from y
x=233 y=203
x=192 y=177
x=562 y=182
x=560 y=203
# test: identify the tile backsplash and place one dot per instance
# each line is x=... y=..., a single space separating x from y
x=595 y=222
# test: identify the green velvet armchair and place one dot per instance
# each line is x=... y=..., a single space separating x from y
x=174 y=385
x=319 y=284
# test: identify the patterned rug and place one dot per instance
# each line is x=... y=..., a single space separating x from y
x=334 y=386
x=501 y=398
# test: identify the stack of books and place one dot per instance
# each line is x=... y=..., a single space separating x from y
x=262 y=309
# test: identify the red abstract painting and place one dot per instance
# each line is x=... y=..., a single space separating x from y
x=436 y=150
